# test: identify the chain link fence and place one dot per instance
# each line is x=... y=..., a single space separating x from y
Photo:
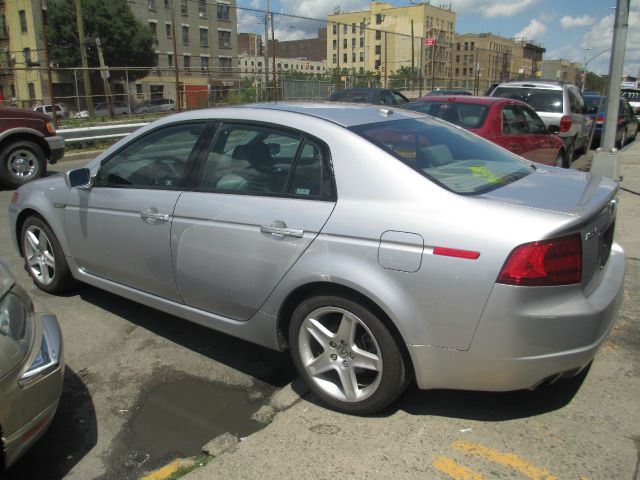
x=216 y=54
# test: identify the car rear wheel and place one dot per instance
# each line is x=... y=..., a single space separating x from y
x=561 y=160
x=623 y=139
x=44 y=258
x=570 y=153
x=22 y=161
x=346 y=354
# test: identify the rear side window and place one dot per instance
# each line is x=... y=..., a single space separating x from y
x=451 y=157
x=466 y=115
x=541 y=100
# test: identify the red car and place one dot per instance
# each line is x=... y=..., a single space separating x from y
x=512 y=124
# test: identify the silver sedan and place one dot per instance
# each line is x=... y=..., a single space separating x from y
x=378 y=245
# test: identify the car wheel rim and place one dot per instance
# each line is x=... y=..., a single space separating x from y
x=560 y=160
x=340 y=354
x=39 y=255
x=23 y=164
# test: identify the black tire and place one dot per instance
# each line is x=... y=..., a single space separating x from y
x=570 y=153
x=20 y=162
x=44 y=259
x=623 y=140
x=561 y=160
x=363 y=339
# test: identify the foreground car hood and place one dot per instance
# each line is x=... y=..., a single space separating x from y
x=564 y=191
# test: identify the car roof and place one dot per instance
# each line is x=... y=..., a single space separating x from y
x=550 y=84
x=468 y=99
x=343 y=114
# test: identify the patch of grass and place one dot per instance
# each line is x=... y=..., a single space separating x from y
x=199 y=461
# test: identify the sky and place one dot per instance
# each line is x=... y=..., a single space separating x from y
x=575 y=30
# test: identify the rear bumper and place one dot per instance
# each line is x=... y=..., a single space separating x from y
x=56 y=147
x=527 y=335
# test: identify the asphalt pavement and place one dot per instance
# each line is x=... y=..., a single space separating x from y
x=585 y=428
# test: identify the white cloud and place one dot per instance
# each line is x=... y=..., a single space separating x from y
x=583 y=21
x=535 y=30
x=491 y=8
x=321 y=8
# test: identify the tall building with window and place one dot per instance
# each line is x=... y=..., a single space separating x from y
x=205 y=46
x=384 y=39
x=480 y=60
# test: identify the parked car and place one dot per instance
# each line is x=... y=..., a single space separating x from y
x=626 y=125
x=509 y=123
x=557 y=103
x=62 y=111
x=376 y=96
x=379 y=245
x=448 y=92
x=156 y=105
x=102 y=110
x=27 y=140
x=632 y=95
x=31 y=368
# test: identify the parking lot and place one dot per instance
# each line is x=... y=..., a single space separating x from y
x=124 y=358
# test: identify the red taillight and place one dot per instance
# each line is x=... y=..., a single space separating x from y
x=565 y=123
x=550 y=262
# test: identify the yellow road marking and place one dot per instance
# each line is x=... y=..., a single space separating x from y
x=456 y=471
x=164 y=472
x=508 y=460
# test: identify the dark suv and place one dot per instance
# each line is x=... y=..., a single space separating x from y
x=27 y=140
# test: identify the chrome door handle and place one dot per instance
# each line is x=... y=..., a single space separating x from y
x=152 y=216
x=281 y=232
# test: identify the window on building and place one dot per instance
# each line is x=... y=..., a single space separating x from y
x=170 y=59
x=224 y=39
x=27 y=56
x=152 y=5
x=167 y=29
x=353 y=43
x=361 y=42
x=204 y=64
x=344 y=58
x=224 y=63
x=223 y=12
x=361 y=57
x=473 y=45
x=23 y=21
x=361 y=28
x=335 y=59
x=183 y=7
x=353 y=57
x=353 y=28
x=202 y=8
x=344 y=43
x=378 y=35
x=335 y=44
x=345 y=28
x=185 y=35
x=153 y=26
x=379 y=18
x=204 y=37
x=378 y=49
x=187 y=62
x=167 y=3
x=335 y=29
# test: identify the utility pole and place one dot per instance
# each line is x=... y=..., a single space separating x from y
x=273 y=55
x=413 y=58
x=605 y=160
x=175 y=59
x=104 y=73
x=266 y=52
x=54 y=113
x=83 y=58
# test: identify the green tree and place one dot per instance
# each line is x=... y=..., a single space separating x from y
x=402 y=78
x=126 y=42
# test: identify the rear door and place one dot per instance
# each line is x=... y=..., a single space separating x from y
x=264 y=195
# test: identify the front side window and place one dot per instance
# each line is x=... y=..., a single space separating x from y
x=451 y=157
x=260 y=160
x=513 y=123
x=534 y=122
x=158 y=160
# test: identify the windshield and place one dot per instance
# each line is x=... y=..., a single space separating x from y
x=541 y=100
x=632 y=95
x=453 y=158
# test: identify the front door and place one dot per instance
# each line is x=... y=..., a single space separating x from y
x=119 y=230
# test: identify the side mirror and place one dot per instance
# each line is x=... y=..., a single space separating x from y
x=553 y=129
x=80 y=178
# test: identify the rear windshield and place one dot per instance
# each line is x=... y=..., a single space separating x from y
x=467 y=115
x=541 y=100
x=453 y=158
x=354 y=97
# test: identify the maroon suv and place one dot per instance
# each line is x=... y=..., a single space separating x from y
x=27 y=140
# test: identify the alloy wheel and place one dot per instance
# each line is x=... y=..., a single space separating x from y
x=22 y=164
x=38 y=253
x=340 y=354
